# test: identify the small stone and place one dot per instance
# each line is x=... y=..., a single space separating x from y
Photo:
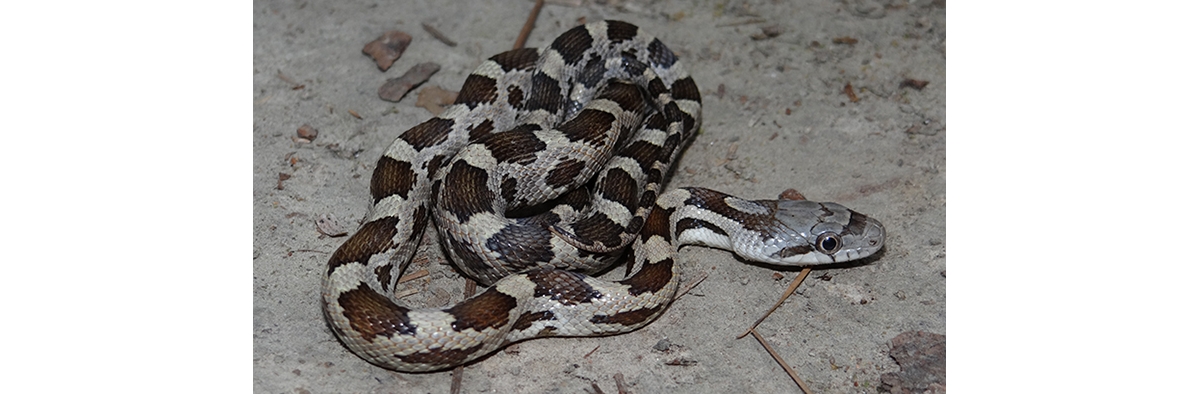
x=663 y=345
x=307 y=132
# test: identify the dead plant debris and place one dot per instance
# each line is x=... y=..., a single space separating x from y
x=387 y=48
x=845 y=40
x=395 y=89
x=914 y=83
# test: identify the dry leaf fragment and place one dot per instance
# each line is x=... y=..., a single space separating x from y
x=282 y=177
x=435 y=99
x=395 y=89
x=387 y=48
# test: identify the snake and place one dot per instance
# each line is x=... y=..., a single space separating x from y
x=547 y=169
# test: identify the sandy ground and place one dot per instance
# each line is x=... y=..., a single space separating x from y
x=776 y=117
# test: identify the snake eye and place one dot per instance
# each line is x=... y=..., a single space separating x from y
x=829 y=243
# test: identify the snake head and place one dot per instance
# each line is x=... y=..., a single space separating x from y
x=810 y=233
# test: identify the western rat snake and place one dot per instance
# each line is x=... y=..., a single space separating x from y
x=545 y=170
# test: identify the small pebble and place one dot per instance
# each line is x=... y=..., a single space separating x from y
x=663 y=345
x=307 y=132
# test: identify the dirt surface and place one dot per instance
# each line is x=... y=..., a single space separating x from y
x=821 y=104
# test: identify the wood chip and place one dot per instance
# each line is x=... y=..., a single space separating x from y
x=354 y=114
x=914 y=83
x=282 y=177
x=387 y=48
x=395 y=89
x=438 y=35
x=435 y=99
x=845 y=40
x=771 y=31
x=849 y=90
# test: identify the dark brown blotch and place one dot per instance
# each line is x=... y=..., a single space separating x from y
x=383 y=274
x=631 y=318
x=489 y=309
x=644 y=153
x=431 y=132
x=481 y=130
x=657 y=223
x=440 y=356
x=656 y=87
x=573 y=44
x=589 y=125
x=527 y=319
x=651 y=278
x=545 y=93
x=660 y=55
x=599 y=228
x=467 y=258
x=857 y=224
x=565 y=287
x=518 y=145
x=373 y=237
x=516 y=59
x=618 y=186
x=515 y=96
x=392 y=177
x=477 y=89
x=371 y=314
x=794 y=250
x=508 y=189
x=420 y=215
x=685 y=89
x=564 y=173
x=434 y=164
x=627 y=96
x=691 y=223
x=621 y=31
x=465 y=191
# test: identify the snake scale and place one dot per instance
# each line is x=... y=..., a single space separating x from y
x=545 y=170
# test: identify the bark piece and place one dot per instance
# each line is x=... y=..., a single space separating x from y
x=387 y=48
x=395 y=89
x=922 y=359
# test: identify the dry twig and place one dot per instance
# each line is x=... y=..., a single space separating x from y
x=782 y=363
x=533 y=14
x=791 y=289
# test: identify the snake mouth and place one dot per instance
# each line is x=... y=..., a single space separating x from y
x=870 y=239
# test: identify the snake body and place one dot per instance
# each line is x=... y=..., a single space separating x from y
x=547 y=169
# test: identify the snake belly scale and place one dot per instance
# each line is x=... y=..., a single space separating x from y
x=547 y=169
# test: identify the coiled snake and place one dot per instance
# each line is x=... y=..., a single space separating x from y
x=545 y=170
